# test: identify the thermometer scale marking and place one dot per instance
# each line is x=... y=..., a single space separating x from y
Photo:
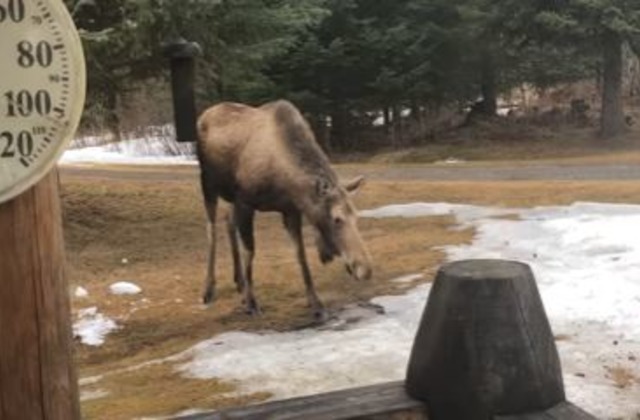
x=41 y=92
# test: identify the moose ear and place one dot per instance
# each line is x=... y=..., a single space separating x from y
x=323 y=187
x=354 y=185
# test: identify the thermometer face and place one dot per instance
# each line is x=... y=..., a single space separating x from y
x=42 y=88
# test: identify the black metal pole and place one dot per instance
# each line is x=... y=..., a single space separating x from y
x=182 y=55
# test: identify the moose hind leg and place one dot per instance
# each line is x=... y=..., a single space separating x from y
x=208 y=296
x=235 y=252
x=293 y=224
x=244 y=221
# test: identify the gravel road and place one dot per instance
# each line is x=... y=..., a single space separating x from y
x=501 y=172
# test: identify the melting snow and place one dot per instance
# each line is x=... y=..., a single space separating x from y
x=93 y=395
x=408 y=278
x=586 y=258
x=92 y=326
x=374 y=350
x=81 y=292
x=124 y=288
x=464 y=213
x=151 y=151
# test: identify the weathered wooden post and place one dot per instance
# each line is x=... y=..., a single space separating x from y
x=484 y=346
x=182 y=54
x=37 y=379
x=41 y=99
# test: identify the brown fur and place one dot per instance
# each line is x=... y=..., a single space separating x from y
x=267 y=159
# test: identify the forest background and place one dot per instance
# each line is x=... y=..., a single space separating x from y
x=371 y=74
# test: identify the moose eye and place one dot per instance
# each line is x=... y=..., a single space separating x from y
x=338 y=221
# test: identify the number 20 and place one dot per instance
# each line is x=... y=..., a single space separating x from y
x=24 y=144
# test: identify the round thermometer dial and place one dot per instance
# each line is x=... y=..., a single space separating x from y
x=42 y=90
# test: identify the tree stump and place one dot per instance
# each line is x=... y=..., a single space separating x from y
x=484 y=346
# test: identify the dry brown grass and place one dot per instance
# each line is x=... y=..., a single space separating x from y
x=622 y=377
x=160 y=229
x=503 y=141
x=157 y=390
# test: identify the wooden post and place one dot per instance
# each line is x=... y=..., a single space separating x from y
x=37 y=379
x=484 y=346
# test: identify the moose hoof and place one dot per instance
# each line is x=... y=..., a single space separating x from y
x=255 y=312
x=253 y=309
x=320 y=315
x=208 y=297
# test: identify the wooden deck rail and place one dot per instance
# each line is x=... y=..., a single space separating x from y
x=377 y=402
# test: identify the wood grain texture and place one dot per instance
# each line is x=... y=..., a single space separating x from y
x=384 y=401
x=387 y=401
x=37 y=379
x=562 y=411
x=484 y=344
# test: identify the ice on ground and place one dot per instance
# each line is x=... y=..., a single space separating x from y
x=308 y=361
x=125 y=288
x=92 y=327
x=81 y=292
x=586 y=258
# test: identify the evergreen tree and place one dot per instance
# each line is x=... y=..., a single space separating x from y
x=602 y=27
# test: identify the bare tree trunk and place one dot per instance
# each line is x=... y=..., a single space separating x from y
x=488 y=87
x=397 y=127
x=389 y=126
x=612 y=118
x=418 y=131
x=321 y=131
x=339 y=128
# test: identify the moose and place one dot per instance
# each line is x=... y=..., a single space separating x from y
x=266 y=159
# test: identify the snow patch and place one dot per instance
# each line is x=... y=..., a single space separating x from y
x=408 y=278
x=586 y=258
x=90 y=380
x=450 y=161
x=373 y=350
x=92 y=327
x=125 y=288
x=139 y=151
x=93 y=394
x=81 y=292
x=464 y=213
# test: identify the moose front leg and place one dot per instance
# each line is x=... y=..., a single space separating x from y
x=293 y=224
